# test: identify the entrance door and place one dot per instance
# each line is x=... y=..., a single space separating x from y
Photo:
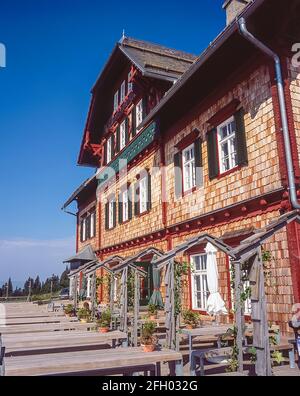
x=146 y=284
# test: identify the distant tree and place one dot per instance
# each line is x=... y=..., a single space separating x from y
x=10 y=287
x=64 y=280
x=37 y=287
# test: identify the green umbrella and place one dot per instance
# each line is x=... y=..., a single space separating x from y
x=156 y=298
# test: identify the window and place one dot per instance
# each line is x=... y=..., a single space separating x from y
x=200 y=291
x=189 y=168
x=93 y=225
x=84 y=229
x=123 y=91
x=129 y=85
x=88 y=226
x=227 y=145
x=116 y=100
x=143 y=195
x=139 y=113
x=123 y=135
x=125 y=205
x=111 y=213
x=109 y=150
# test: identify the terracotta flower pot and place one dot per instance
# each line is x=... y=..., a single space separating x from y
x=148 y=348
x=153 y=317
x=190 y=327
x=103 y=329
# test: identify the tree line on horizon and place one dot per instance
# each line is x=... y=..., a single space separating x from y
x=37 y=286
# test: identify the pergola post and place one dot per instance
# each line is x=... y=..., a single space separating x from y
x=259 y=317
x=112 y=298
x=136 y=307
x=239 y=314
x=75 y=279
x=94 y=294
x=169 y=306
x=124 y=300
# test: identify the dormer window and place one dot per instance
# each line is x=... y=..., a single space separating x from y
x=116 y=100
x=139 y=113
x=123 y=135
x=123 y=91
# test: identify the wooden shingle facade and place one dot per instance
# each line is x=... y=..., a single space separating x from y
x=185 y=145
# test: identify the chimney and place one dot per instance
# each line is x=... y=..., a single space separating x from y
x=233 y=8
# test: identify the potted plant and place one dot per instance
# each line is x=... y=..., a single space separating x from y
x=191 y=319
x=148 y=340
x=152 y=311
x=69 y=310
x=104 y=322
x=84 y=315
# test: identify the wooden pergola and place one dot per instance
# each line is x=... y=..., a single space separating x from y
x=249 y=251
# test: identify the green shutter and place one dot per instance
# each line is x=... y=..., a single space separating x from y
x=81 y=231
x=95 y=218
x=149 y=202
x=178 y=174
x=133 y=122
x=212 y=150
x=144 y=107
x=118 y=139
x=198 y=162
x=241 y=143
x=120 y=209
x=113 y=150
x=136 y=199
x=126 y=130
x=105 y=153
x=106 y=216
x=88 y=227
x=129 y=203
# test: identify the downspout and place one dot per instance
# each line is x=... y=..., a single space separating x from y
x=282 y=104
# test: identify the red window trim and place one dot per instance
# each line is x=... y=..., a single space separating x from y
x=224 y=113
x=226 y=173
x=188 y=140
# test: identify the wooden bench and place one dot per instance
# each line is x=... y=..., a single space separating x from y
x=37 y=328
x=26 y=344
x=117 y=361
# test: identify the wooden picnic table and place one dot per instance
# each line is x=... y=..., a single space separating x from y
x=49 y=342
x=119 y=360
x=40 y=327
x=214 y=332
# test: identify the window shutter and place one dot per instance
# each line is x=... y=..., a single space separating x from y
x=115 y=213
x=120 y=209
x=137 y=200
x=126 y=130
x=133 y=122
x=241 y=143
x=144 y=107
x=129 y=203
x=149 y=202
x=212 y=150
x=178 y=174
x=94 y=214
x=113 y=150
x=118 y=139
x=88 y=227
x=198 y=162
x=107 y=216
x=105 y=153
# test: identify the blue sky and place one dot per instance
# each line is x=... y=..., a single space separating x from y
x=55 y=50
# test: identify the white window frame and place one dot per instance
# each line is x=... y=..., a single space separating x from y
x=116 y=100
x=84 y=235
x=88 y=287
x=143 y=195
x=232 y=149
x=189 y=168
x=111 y=207
x=122 y=135
x=92 y=224
x=125 y=206
x=123 y=91
x=129 y=84
x=109 y=150
x=139 y=113
x=204 y=293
